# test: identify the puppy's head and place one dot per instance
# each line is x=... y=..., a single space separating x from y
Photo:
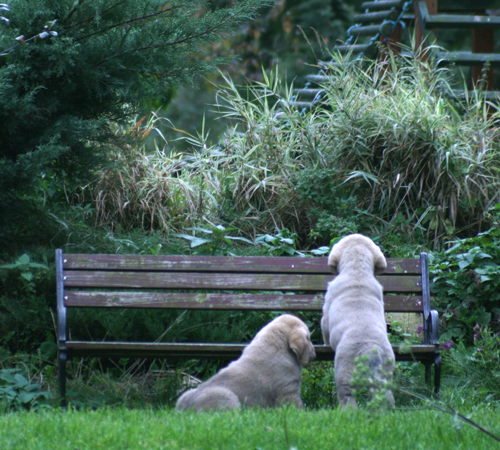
x=335 y=257
x=299 y=341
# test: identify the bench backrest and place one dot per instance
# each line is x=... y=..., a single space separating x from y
x=216 y=282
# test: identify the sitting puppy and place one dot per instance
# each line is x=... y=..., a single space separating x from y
x=266 y=375
x=353 y=321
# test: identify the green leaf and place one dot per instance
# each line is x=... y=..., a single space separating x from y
x=483 y=319
x=27 y=397
x=24 y=259
x=196 y=242
x=7 y=376
x=463 y=264
x=38 y=266
x=204 y=230
x=185 y=236
x=27 y=276
x=242 y=239
x=20 y=380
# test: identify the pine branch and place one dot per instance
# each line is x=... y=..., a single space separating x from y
x=125 y=22
x=168 y=44
x=80 y=2
x=89 y=18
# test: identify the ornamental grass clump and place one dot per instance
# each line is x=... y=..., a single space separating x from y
x=389 y=150
x=402 y=146
x=151 y=190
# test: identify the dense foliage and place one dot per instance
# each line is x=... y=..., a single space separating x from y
x=70 y=71
x=388 y=154
x=466 y=284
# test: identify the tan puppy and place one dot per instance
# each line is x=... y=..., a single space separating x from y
x=266 y=375
x=353 y=321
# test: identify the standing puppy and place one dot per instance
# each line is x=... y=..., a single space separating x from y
x=353 y=321
x=266 y=375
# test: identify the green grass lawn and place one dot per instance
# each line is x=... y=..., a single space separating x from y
x=252 y=429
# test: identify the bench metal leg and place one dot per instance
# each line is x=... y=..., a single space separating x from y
x=62 y=377
x=437 y=374
x=428 y=373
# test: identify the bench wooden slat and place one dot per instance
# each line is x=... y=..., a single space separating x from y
x=224 y=301
x=183 y=263
x=204 y=350
x=222 y=281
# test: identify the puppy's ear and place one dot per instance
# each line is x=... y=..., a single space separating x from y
x=300 y=345
x=378 y=260
x=334 y=259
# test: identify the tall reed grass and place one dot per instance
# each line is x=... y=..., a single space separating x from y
x=395 y=139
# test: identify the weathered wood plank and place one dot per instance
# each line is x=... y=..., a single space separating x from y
x=462 y=21
x=197 y=263
x=183 y=263
x=224 y=301
x=204 y=350
x=391 y=14
x=381 y=5
x=220 y=281
x=196 y=281
x=468 y=58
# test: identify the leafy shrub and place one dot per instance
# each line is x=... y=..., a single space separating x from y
x=332 y=209
x=318 y=386
x=27 y=297
x=475 y=368
x=215 y=239
x=466 y=284
x=17 y=393
x=23 y=271
x=283 y=243
x=70 y=71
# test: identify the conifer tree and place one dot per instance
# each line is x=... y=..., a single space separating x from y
x=69 y=69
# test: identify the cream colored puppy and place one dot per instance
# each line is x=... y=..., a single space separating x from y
x=266 y=375
x=353 y=321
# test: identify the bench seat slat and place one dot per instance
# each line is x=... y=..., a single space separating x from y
x=183 y=263
x=203 y=350
x=224 y=301
x=221 y=281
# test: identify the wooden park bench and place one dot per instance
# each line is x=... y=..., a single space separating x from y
x=287 y=284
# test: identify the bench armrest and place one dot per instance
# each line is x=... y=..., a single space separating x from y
x=432 y=325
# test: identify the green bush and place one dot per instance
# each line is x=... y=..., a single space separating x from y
x=70 y=71
x=318 y=386
x=17 y=393
x=465 y=281
x=475 y=368
x=27 y=297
